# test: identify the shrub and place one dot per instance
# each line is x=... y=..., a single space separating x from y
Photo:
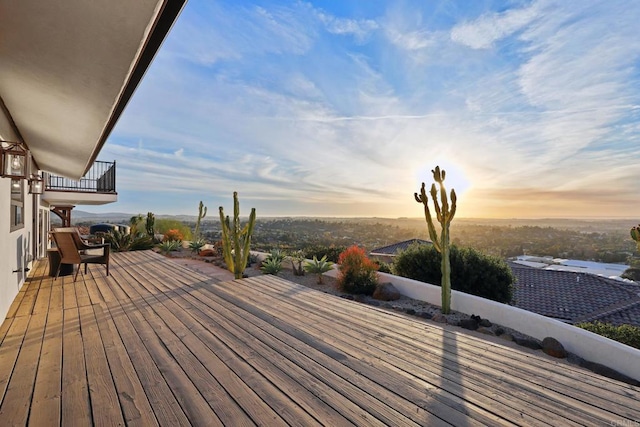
x=163 y=225
x=384 y=267
x=331 y=252
x=472 y=271
x=296 y=259
x=318 y=267
x=357 y=272
x=173 y=235
x=625 y=334
x=122 y=242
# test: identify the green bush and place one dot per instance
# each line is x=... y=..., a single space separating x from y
x=318 y=267
x=169 y=246
x=626 y=334
x=163 y=225
x=332 y=252
x=472 y=272
x=121 y=242
x=358 y=274
x=272 y=264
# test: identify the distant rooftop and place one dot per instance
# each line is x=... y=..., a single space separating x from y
x=576 y=297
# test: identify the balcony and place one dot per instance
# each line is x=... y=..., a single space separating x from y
x=97 y=187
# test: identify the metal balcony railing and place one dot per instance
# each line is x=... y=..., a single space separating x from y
x=101 y=178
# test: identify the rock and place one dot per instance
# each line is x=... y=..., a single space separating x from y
x=410 y=311
x=485 y=323
x=439 y=317
x=386 y=292
x=506 y=337
x=347 y=296
x=425 y=315
x=207 y=252
x=485 y=331
x=374 y=303
x=360 y=298
x=527 y=342
x=499 y=331
x=554 y=348
x=471 y=324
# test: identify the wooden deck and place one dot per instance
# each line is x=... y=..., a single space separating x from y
x=159 y=344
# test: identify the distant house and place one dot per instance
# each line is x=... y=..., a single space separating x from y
x=387 y=253
x=574 y=297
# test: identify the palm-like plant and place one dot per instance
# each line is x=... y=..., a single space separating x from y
x=318 y=266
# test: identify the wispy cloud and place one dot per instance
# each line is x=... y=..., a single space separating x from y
x=319 y=110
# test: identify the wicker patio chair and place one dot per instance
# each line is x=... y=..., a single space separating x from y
x=71 y=253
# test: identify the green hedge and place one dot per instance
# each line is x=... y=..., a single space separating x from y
x=472 y=272
x=626 y=334
x=332 y=252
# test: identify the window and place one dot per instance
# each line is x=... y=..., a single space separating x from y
x=17 y=204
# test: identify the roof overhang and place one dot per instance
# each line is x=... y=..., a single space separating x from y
x=68 y=69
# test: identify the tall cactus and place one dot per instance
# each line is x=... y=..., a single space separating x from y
x=444 y=215
x=635 y=235
x=236 y=241
x=150 y=225
x=202 y=212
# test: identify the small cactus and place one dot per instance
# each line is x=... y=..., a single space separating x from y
x=236 y=241
x=150 y=225
x=202 y=212
x=635 y=235
x=444 y=215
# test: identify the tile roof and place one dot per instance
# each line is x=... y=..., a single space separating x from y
x=397 y=247
x=576 y=297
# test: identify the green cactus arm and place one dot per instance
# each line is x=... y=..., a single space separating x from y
x=454 y=200
x=226 y=241
x=422 y=198
x=635 y=233
x=247 y=237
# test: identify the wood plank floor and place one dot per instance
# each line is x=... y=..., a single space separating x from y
x=159 y=344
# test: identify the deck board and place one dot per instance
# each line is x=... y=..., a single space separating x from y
x=156 y=343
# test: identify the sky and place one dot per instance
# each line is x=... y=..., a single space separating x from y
x=343 y=108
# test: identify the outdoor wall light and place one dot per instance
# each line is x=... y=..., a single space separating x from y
x=14 y=160
x=36 y=185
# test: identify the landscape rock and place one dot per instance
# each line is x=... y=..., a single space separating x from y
x=471 y=324
x=485 y=331
x=374 y=303
x=386 y=292
x=360 y=298
x=410 y=311
x=439 y=317
x=207 y=252
x=499 y=331
x=485 y=323
x=506 y=337
x=554 y=348
x=527 y=342
x=425 y=315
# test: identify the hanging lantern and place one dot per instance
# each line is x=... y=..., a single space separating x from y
x=14 y=160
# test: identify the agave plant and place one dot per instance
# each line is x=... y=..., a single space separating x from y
x=196 y=245
x=318 y=266
x=169 y=246
x=271 y=266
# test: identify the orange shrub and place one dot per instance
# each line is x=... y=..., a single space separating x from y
x=174 y=235
x=357 y=272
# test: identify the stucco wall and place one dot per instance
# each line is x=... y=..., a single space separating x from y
x=13 y=245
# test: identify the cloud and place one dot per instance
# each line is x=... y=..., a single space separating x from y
x=361 y=29
x=267 y=101
x=490 y=28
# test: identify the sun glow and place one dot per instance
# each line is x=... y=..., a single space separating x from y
x=455 y=178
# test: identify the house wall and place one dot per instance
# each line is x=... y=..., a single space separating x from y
x=16 y=247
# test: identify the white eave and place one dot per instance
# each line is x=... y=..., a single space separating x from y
x=68 y=69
